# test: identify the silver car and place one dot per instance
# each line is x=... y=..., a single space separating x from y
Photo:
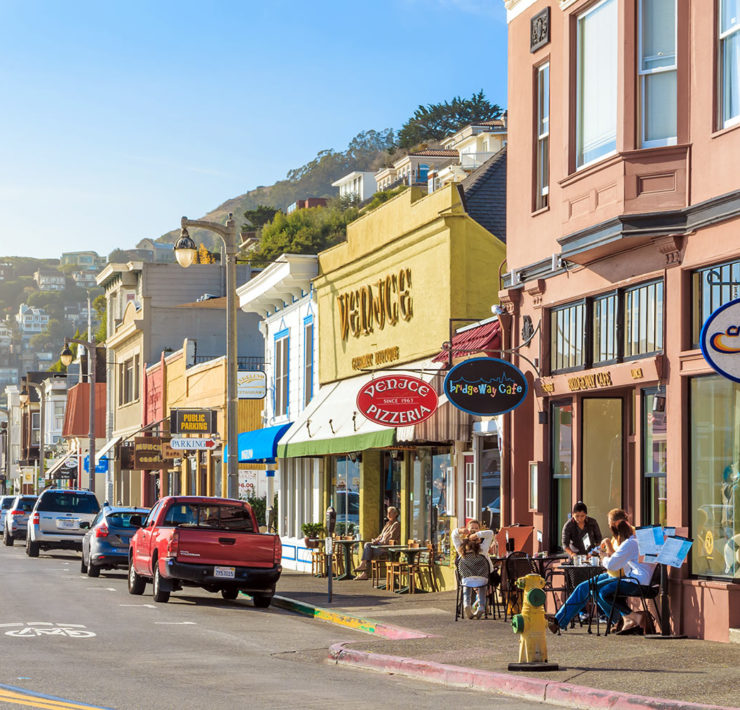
x=5 y=503
x=56 y=517
x=16 y=519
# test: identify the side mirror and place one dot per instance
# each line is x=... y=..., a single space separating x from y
x=135 y=521
x=84 y=525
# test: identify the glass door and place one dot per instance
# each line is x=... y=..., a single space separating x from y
x=654 y=455
x=603 y=446
x=561 y=458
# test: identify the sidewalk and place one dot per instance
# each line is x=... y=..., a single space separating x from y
x=686 y=670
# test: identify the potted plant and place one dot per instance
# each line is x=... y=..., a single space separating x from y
x=311 y=532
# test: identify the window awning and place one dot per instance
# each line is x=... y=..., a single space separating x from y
x=448 y=423
x=260 y=445
x=106 y=448
x=332 y=424
x=479 y=338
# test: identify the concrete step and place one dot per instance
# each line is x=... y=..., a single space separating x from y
x=734 y=635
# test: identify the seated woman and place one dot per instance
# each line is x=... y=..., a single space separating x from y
x=391 y=531
x=473 y=568
x=580 y=532
x=473 y=528
x=620 y=560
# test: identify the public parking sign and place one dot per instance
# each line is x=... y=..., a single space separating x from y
x=485 y=386
x=193 y=421
x=193 y=444
x=720 y=340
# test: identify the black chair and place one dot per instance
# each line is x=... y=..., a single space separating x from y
x=517 y=564
x=459 y=599
x=646 y=592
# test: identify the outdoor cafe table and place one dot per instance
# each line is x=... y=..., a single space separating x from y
x=575 y=575
x=411 y=554
x=347 y=545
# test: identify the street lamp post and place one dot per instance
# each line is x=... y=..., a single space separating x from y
x=66 y=356
x=185 y=253
x=42 y=423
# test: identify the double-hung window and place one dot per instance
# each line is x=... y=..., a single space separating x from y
x=568 y=337
x=128 y=380
x=605 y=343
x=542 y=160
x=596 y=82
x=282 y=345
x=643 y=327
x=729 y=62
x=307 y=360
x=657 y=72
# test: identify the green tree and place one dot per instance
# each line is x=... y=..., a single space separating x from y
x=117 y=256
x=260 y=215
x=51 y=337
x=436 y=121
x=307 y=231
x=100 y=306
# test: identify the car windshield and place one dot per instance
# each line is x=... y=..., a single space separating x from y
x=213 y=516
x=68 y=502
x=25 y=504
x=122 y=519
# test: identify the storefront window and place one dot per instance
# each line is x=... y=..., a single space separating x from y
x=345 y=493
x=713 y=287
x=562 y=465
x=490 y=469
x=655 y=445
x=392 y=490
x=602 y=456
x=429 y=514
x=715 y=476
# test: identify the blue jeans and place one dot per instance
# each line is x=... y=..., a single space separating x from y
x=606 y=587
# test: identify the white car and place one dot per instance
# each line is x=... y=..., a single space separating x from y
x=55 y=520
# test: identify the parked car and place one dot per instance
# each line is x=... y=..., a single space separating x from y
x=105 y=544
x=5 y=503
x=16 y=519
x=56 y=517
x=213 y=543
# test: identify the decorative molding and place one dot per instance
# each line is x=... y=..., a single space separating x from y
x=672 y=248
x=536 y=290
x=510 y=300
x=514 y=8
x=539 y=30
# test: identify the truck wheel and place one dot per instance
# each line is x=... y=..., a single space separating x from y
x=261 y=601
x=229 y=593
x=136 y=584
x=32 y=549
x=83 y=566
x=7 y=539
x=160 y=595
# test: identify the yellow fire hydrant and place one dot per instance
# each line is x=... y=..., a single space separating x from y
x=531 y=622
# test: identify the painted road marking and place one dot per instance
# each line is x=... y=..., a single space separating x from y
x=45 y=628
x=176 y=623
x=104 y=589
x=28 y=698
x=148 y=606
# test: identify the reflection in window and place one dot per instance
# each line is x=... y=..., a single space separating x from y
x=729 y=62
x=562 y=465
x=429 y=519
x=567 y=337
x=715 y=476
x=713 y=286
x=655 y=446
x=643 y=315
x=345 y=493
x=605 y=329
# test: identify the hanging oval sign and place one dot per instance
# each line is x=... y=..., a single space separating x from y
x=720 y=340
x=485 y=386
x=397 y=400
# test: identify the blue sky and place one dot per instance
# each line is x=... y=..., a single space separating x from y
x=120 y=116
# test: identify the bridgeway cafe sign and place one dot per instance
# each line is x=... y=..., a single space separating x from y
x=397 y=400
x=485 y=386
x=720 y=340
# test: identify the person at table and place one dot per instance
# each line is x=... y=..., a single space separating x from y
x=580 y=533
x=474 y=571
x=391 y=531
x=473 y=530
x=620 y=559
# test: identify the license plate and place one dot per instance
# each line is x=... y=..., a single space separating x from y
x=67 y=524
x=225 y=572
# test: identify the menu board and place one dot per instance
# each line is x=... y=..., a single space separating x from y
x=662 y=545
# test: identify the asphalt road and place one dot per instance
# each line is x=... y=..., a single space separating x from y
x=69 y=641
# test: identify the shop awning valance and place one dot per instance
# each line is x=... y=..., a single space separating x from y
x=448 y=423
x=106 y=448
x=331 y=423
x=58 y=464
x=260 y=445
x=472 y=340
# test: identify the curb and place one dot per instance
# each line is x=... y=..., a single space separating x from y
x=367 y=626
x=536 y=689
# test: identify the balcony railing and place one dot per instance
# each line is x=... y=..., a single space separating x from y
x=243 y=362
x=472 y=161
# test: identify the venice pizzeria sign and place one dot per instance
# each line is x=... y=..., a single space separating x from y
x=397 y=400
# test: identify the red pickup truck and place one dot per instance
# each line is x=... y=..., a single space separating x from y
x=213 y=543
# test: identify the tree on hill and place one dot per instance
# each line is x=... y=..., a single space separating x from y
x=117 y=256
x=51 y=337
x=260 y=215
x=437 y=121
x=306 y=231
x=100 y=305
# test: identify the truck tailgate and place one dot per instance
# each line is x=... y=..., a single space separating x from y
x=225 y=548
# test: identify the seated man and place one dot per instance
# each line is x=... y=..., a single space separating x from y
x=391 y=531
x=580 y=532
x=622 y=559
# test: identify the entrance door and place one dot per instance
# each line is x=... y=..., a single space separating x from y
x=603 y=455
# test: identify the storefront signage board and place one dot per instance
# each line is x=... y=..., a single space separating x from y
x=485 y=386
x=397 y=400
x=193 y=421
x=148 y=454
x=720 y=340
x=251 y=385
